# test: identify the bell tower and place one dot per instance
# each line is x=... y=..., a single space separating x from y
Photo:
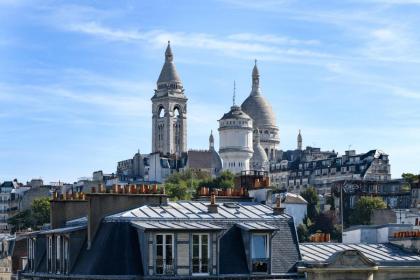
x=169 y=111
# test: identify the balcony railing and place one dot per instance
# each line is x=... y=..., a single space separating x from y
x=164 y=266
x=200 y=265
x=260 y=265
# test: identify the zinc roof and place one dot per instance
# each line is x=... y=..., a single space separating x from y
x=155 y=225
x=381 y=253
x=198 y=211
x=256 y=226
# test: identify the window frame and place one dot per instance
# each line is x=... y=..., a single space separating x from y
x=58 y=254
x=200 y=253
x=164 y=257
x=50 y=253
x=31 y=253
x=267 y=252
x=66 y=255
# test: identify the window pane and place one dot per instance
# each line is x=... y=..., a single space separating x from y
x=205 y=239
x=204 y=251
x=196 y=251
x=196 y=238
x=169 y=251
x=259 y=246
x=168 y=239
x=159 y=239
x=159 y=251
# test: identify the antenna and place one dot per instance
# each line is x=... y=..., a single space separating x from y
x=234 y=92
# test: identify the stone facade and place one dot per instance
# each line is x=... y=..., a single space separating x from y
x=235 y=131
x=169 y=111
x=299 y=169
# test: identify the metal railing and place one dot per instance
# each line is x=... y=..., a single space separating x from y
x=200 y=265
x=260 y=265
x=164 y=266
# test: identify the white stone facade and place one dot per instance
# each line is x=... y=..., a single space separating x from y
x=235 y=132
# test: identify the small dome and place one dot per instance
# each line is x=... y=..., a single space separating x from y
x=259 y=157
x=235 y=113
x=259 y=154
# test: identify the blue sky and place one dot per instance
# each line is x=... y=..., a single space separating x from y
x=76 y=77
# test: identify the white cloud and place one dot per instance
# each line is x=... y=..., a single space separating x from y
x=242 y=45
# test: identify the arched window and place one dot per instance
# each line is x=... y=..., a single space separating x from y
x=177 y=113
x=161 y=112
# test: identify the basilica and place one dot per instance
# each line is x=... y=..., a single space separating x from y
x=249 y=139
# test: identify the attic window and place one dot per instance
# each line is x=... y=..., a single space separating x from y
x=31 y=253
x=260 y=253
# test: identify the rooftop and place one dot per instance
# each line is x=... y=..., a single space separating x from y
x=195 y=210
x=383 y=254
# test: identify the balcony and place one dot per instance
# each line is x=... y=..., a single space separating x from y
x=164 y=266
x=260 y=265
x=200 y=266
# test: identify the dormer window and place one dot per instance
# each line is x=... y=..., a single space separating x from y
x=200 y=253
x=58 y=255
x=31 y=254
x=49 y=253
x=260 y=253
x=164 y=259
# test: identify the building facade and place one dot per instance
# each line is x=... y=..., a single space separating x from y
x=171 y=240
x=299 y=169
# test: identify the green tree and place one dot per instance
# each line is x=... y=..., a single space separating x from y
x=225 y=180
x=21 y=220
x=302 y=232
x=35 y=217
x=40 y=211
x=183 y=185
x=324 y=222
x=362 y=213
x=311 y=197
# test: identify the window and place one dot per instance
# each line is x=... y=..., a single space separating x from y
x=200 y=253
x=58 y=254
x=161 y=112
x=164 y=261
x=65 y=255
x=49 y=253
x=260 y=253
x=31 y=253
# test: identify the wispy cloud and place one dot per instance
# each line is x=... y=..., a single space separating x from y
x=242 y=45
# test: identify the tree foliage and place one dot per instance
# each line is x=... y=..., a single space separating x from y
x=224 y=181
x=311 y=197
x=303 y=233
x=35 y=217
x=183 y=185
x=361 y=214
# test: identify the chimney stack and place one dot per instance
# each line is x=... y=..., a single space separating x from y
x=277 y=209
x=212 y=207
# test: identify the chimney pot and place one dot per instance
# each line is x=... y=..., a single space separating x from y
x=93 y=190
x=278 y=210
x=212 y=207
